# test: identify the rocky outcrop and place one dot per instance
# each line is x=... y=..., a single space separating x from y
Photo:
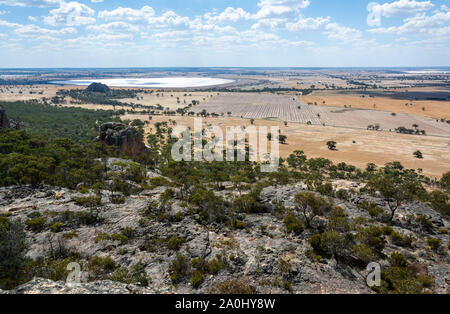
x=252 y=253
x=127 y=139
x=4 y=122
x=46 y=286
x=98 y=88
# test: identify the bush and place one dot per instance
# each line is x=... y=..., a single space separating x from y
x=292 y=224
x=174 y=243
x=212 y=267
x=364 y=253
x=136 y=275
x=230 y=287
x=159 y=181
x=178 y=269
x=13 y=247
x=197 y=279
x=435 y=244
x=400 y=240
x=56 y=227
x=101 y=265
x=398 y=260
x=36 y=224
x=88 y=201
x=342 y=195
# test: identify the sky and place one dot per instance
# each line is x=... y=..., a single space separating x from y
x=224 y=33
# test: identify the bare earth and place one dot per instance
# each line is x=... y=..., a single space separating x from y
x=433 y=109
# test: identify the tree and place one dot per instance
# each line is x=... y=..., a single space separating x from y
x=283 y=139
x=445 y=181
x=311 y=206
x=331 y=145
x=395 y=189
x=418 y=154
x=13 y=248
x=297 y=159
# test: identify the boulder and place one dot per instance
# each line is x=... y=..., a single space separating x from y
x=127 y=139
x=4 y=122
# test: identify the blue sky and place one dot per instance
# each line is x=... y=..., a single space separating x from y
x=303 y=33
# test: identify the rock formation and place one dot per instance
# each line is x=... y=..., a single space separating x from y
x=4 y=122
x=98 y=88
x=128 y=140
x=255 y=254
x=46 y=286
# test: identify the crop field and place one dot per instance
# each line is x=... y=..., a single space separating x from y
x=288 y=108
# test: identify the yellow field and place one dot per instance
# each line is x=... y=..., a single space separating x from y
x=377 y=147
x=433 y=109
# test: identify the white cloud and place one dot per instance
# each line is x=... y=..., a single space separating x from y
x=34 y=30
x=419 y=24
x=401 y=8
x=308 y=24
x=271 y=8
x=114 y=27
x=342 y=33
x=31 y=3
x=228 y=15
x=71 y=14
x=128 y=14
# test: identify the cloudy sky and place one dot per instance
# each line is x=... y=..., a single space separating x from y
x=112 y=33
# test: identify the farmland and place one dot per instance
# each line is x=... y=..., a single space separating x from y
x=289 y=109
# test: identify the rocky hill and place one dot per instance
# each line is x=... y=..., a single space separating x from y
x=127 y=139
x=98 y=88
x=152 y=240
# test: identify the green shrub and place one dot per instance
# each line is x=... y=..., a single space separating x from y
x=400 y=240
x=338 y=221
x=435 y=244
x=101 y=265
x=13 y=248
x=288 y=286
x=398 y=260
x=212 y=267
x=174 y=243
x=364 y=253
x=159 y=181
x=230 y=287
x=342 y=194
x=292 y=224
x=36 y=224
x=56 y=227
x=178 y=269
x=70 y=235
x=136 y=275
x=88 y=201
x=197 y=279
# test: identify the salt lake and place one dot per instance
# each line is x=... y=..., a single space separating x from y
x=154 y=82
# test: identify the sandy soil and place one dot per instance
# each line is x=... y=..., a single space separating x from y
x=168 y=99
x=377 y=147
x=433 y=109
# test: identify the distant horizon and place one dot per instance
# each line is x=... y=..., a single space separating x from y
x=225 y=67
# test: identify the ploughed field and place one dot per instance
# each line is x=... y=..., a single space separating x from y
x=289 y=109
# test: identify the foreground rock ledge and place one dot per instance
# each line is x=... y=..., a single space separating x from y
x=46 y=286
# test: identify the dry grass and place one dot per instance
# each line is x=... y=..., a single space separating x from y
x=377 y=147
x=433 y=109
